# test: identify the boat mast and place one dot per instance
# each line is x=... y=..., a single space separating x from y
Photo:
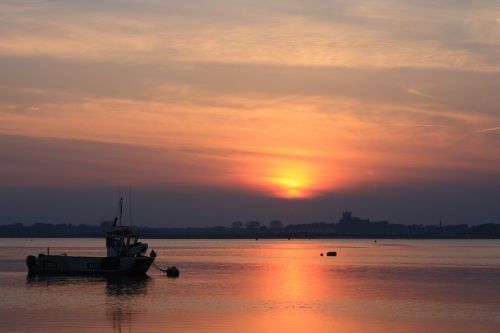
x=121 y=211
x=130 y=205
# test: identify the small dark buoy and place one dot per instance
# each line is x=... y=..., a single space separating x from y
x=321 y=253
x=288 y=238
x=256 y=239
x=172 y=272
x=331 y=254
x=375 y=241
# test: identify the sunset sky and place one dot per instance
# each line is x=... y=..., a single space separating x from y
x=216 y=111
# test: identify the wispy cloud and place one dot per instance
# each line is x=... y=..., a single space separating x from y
x=361 y=34
x=492 y=129
x=418 y=92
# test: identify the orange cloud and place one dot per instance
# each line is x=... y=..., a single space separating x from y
x=293 y=104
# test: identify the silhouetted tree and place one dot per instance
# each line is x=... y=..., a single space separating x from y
x=237 y=225
x=252 y=225
x=275 y=226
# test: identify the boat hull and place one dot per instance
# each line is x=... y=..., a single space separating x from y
x=60 y=264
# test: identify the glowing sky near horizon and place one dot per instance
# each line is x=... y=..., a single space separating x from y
x=289 y=99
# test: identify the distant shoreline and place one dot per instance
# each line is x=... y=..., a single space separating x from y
x=256 y=237
x=348 y=226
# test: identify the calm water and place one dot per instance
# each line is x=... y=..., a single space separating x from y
x=263 y=286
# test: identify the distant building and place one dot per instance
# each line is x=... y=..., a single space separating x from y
x=348 y=218
x=349 y=224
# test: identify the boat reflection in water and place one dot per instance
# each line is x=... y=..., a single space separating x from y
x=119 y=286
x=121 y=293
x=116 y=285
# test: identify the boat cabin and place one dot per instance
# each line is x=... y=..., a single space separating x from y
x=122 y=241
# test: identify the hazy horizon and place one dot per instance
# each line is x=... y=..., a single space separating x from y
x=194 y=207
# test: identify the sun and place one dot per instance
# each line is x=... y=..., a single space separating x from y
x=288 y=178
x=291 y=183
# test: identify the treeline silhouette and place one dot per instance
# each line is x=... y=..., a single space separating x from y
x=347 y=226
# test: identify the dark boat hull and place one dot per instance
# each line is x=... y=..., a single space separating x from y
x=59 y=264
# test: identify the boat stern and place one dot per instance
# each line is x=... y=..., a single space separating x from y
x=137 y=265
x=31 y=263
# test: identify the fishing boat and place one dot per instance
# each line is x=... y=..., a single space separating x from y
x=125 y=255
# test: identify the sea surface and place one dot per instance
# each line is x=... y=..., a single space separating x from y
x=263 y=286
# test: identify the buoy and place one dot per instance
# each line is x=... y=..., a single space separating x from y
x=331 y=254
x=172 y=272
x=321 y=253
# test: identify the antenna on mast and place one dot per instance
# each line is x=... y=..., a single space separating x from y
x=121 y=210
x=130 y=205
